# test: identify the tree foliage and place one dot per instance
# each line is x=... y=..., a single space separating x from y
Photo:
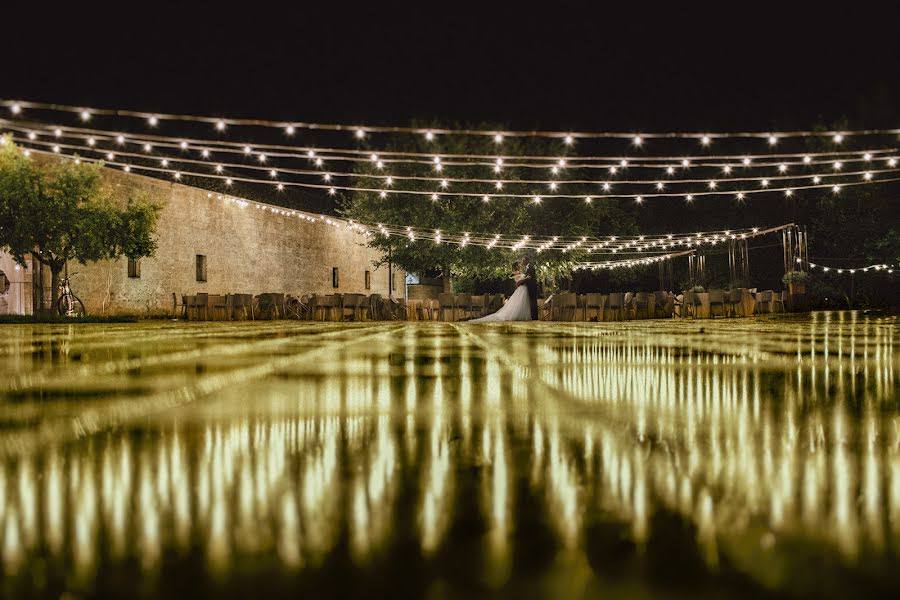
x=60 y=211
x=459 y=214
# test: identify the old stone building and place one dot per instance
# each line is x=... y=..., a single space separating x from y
x=215 y=244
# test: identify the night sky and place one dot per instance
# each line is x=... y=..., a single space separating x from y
x=720 y=68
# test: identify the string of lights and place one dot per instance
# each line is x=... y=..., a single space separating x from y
x=153 y=119
x=712 y=187
x=852 y=270
x=439 y=160
x=629 y=263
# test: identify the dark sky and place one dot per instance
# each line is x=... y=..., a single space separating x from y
x=561 y=67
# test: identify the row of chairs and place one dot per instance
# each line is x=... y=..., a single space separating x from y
x=618 y=306
x=324 y=307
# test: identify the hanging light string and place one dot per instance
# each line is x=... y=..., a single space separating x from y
x=613 y=244
x=119 y=143
x=536 y=197
x=629 y=263
x=437 y=160
x=884 y=268
x=153 y=119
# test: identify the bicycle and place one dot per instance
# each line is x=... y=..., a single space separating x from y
x=68 y=304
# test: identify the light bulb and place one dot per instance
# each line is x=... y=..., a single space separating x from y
x=32 y=135
x=127 y=169
x=623 y=163
x=56 y=149
x=536 y=199
x=685 y=163
x=429 y=136
x=568 y=140
x=588 y=199
x=838 y=165
x=892 y=162
x=319 y=161
x=261 y=158
x=782 y=168
x=726 y=169
x=498 y=185
x=379 y=165
x=219 y=168
x=85 y=115
x=164 y=162
x=746 y=161
x=606 y=186
x=228 y=181
x=867 y=176
x=310 y=154
x=553 y=186
x=444 y=183
x=383 y=194
x=388 y=181
x=637 y=140
x=274 y=173
x=205 y=153
x=177 y=175
x=670 y=170
x=838 y=138
x=247 y=149
x=373 y=157
x=120 y=139
x=817 y=179
x=764 y=183
x=712 y=184
x=280 y=187
x=660 y=185
x=741 y=195
x=183 y=145
x=15 y=109
x=689 y=198
x=360 y=134
x=867 y=156
x=485 y=199
x=613 y=170
x=147 y=147
x=110 y=156
x=57 y=132
x=498 y=139
x=562 y=163
x=434 y=197
x=807 y=159
x=788 y=193
x=773 y=140
x=554 y=169
x=639 y=199
x=835 y=188
x=332 y=191
x=92 y=141
x=705 y=140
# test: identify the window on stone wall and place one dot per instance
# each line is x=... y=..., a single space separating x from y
x=368 y=280
x=201 y=267
x=334 y=277
x=134 y=267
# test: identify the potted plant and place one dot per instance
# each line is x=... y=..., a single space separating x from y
x=796 y=282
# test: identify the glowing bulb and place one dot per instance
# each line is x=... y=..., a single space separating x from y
x=289 y=130
x=726 y=169
x=746 y=161
x=274 y=173
x=817 y=179
x=892 y=162
x=741 y=195
x=705 y=140
x=568 y=140
x=261 y=158
x=788 y=193
x=838 y=138
x=220 y=125
x=57 y=132
x=147 y=147
x=498 y=185
x=485 y=199
x=807 y=159
x=685 y=163
x=606 y=186
x=319 y=161
x=867 y=176
x=360 y=134
x=639 y=199
x=120 y=139
x=310 y=154
x=219 y=168
x=689 y=198
x=280 y=187
x=554 y=169
x=637 y=140
x=127 y=169
x=110 y=156
x=373 y=157
x=623 y=163
x=660 y=185
x=773 y=140
x=498 y=139
x=15 y=109
x=183 y=145
x=32 y=135
x=561 y=163
x=383 y=194
x=85 y=115
x=712 y=184
x=444 y=184
x=553 y=186
x=332 y=191
x=27 y=153
x=867 y=156
x=164 y=162
x=177 y=175
x=613 y=170
x=536 y=199
x=764 y=183
x=782 y=168
x=838 y=165
x=205 y=153
x=56 y=149
x=379 y=165
x=247 y=149
x=670 y=170
x=429 y=136
x=588 y=199
x=434 y=197
x=92 y=141
x=388 y=181
x=836 y=189
x=228 y=181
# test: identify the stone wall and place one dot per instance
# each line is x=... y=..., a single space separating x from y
x=248 y=249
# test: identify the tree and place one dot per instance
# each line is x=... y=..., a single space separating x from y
x=454 y=213
x=60 y=211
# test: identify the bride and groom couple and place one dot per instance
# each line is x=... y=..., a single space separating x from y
x=522 y=305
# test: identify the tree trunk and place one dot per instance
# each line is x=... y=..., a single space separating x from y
x=55 y=270
x=446 y=279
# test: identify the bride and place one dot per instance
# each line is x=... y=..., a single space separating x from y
x=517 y=308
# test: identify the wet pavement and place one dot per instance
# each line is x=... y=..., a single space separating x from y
x=651 y=459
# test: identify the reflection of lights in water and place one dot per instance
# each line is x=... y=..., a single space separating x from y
x=715 y=438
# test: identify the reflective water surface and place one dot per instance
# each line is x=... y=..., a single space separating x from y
x=722 y=458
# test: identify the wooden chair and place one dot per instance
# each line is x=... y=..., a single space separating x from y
x=218 y=302
x=566 y=306
x=479 y=305
x=200 y=302
x=179 y=310
x=271 y=305
x=464 y=305
x=446 y=302
x=594 y=301
x=734 y=302
x=615 y=303
x=716 y=299
x=640 y=305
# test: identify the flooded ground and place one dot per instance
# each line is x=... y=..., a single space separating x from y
x=659 y=458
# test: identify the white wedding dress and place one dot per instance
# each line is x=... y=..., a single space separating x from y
x=517 y=308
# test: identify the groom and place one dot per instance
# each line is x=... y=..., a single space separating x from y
x=530 y=281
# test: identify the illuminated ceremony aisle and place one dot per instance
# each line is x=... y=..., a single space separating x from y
x=576 y=459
